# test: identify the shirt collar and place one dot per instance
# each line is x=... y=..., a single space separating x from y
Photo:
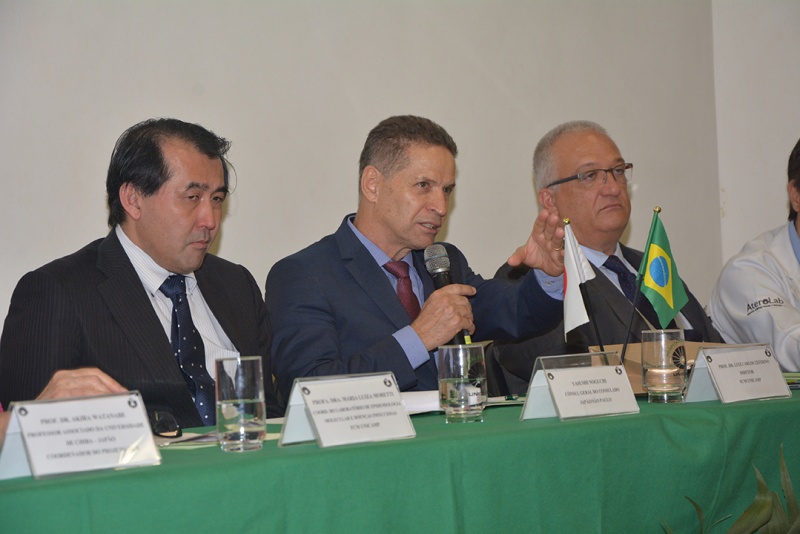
x=380 y=256
x=599 y=258
x=794 y=239
x=150 y=273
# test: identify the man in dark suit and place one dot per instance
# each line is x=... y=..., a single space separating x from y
x=337 y=306
x=100 y=320
x=579 y=171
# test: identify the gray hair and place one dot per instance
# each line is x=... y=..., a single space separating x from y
x=544 y=169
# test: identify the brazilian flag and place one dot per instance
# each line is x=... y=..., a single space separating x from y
x=661 y=284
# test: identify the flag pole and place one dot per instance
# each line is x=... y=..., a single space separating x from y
x=590 y=311
x=588 y=303
x=639 y=278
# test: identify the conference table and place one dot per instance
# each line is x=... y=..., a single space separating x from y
x=626 y=473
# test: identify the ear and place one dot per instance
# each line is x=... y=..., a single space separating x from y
x=794 y=196
x=546 y=198
x=370 y=181
x=130 y=198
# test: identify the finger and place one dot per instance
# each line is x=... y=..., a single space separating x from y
x=517 y=257
x=92 y=377
x=459 y=289
x=79 y=383
x=110 y=383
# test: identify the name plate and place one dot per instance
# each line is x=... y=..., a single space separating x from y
x=346 y=409
x=736 y=373
x=83 y=434
x=580 y=385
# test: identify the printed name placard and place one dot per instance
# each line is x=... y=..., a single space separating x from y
x=82 y=434
x=736 y=373
x=345 y=409
x=579 y=385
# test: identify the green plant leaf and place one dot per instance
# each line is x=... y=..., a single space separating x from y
x=778 y=523
x=795 y=528
x=758 y=513
x=718 y=521
x=699 y=512
x=788 y=491
x=701 y=519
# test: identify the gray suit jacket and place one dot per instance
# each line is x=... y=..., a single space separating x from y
x=613 y=313
x=90 y=309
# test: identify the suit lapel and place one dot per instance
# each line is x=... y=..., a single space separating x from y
x=418 y=257
x=369 y=275
x=692 y=311
x=616 y=302
x=132 y=311
x=218 y=297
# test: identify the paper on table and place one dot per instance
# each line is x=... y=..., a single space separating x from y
x=188 y=439
x=428 y=401
x=194 y=440
x=421 y=401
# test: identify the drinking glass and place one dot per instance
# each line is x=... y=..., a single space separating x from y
x=462 y=382
x=241 y=409
x=663 y=365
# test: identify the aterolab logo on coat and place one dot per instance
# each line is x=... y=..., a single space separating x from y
x=768 y=302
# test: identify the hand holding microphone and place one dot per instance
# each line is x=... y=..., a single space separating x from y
x=448 y=306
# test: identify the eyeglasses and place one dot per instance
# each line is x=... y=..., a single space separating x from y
x=587 y=179
x=165 y=425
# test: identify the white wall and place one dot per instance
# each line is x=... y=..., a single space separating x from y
x=756 y=50
x=296 y=85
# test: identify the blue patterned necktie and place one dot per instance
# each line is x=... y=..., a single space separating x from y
x=187 y=344
x=625 y=277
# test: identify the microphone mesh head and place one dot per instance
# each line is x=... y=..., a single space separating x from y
x=436 y=259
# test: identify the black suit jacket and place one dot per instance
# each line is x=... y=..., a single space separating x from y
x=90 y=309
x=333 y=311
x=612 y=311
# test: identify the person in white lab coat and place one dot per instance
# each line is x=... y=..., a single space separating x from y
x=757 y=296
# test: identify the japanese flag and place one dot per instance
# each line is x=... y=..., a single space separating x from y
x=577 y=270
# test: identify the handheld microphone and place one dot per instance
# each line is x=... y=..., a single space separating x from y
x=437 y=262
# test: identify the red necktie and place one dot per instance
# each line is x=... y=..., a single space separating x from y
x=407 y=297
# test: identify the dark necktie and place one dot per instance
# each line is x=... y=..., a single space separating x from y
x=625 y=277
x=187 y=344
x=627 y=281
x=407 y=297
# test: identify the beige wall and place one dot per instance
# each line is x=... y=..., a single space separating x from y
x=756 y=50
x=296 y=85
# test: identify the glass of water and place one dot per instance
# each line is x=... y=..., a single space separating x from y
x=663 y=365
x=462 y=383
x=241 y=410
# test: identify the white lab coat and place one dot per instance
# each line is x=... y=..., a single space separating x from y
x=757 y=296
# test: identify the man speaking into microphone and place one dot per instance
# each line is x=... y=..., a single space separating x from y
x=361 y=300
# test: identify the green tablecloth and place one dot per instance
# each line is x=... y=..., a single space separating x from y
x=613 y=474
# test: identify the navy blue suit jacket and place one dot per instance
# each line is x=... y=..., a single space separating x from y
x=90 y=309
x=333 y=311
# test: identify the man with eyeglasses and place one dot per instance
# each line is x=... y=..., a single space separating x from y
x=579 y=171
